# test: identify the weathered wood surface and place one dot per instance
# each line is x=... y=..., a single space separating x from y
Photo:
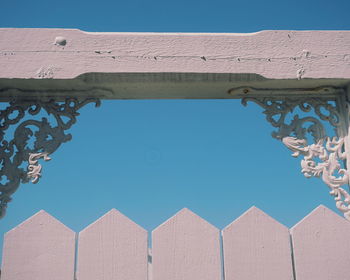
x=186 y=247
x=113 y=247
x=65 y=54
x=321 y=246
x=257 y=247
x=40 y=248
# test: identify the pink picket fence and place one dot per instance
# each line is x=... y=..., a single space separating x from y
x=185 y=247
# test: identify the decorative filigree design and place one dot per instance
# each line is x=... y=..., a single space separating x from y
x=33 y=139
x=324 y=157
x=34 y=168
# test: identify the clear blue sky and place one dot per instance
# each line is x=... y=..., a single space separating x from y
x=149 y=159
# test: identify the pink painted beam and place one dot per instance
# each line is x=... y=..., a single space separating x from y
x=65 y=53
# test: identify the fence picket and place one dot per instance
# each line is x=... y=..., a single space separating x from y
x=186 y=247
x=321 y=246
x=257 y=247
x=113 y=247
x=40 y=248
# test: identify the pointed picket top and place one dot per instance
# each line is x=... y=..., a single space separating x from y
x=39 y=248
x=256 y=246
x=186 y=247
x=320 y=212
x=321 y=246
x=254 y=214
x=115 y=215
x=183 y=215
x=41 y=218
x=113 y=247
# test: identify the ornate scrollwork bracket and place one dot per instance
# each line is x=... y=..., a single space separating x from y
x=300 y=120
x=33 y=138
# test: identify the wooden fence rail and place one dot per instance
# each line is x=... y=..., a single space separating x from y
x=185 y=247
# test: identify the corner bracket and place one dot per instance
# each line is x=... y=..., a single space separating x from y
x=26 y=136
x=302 y=121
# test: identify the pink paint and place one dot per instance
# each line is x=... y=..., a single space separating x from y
x=68 y=53
x=321 y=246
x=40 y=248
x=257 y=247
x=113 y=247
x=185 y=247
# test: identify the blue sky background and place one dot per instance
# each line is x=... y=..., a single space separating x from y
x=149 y=159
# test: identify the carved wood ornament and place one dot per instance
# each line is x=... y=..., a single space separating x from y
x=34 y=138
x=302 y=123
x=323 y=155
x=300 y=78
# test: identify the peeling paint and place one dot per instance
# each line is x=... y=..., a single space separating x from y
x=323 y=54
x=103 y=52
x=300 y=73
x=60 y=41
x=45 y=73
x=305 y=54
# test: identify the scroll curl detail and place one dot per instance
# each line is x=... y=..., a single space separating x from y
x=34 y=168
x=324 y=157
x=34 y=137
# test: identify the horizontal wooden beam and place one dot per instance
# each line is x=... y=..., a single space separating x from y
x=66 y=54
x=166 y=65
